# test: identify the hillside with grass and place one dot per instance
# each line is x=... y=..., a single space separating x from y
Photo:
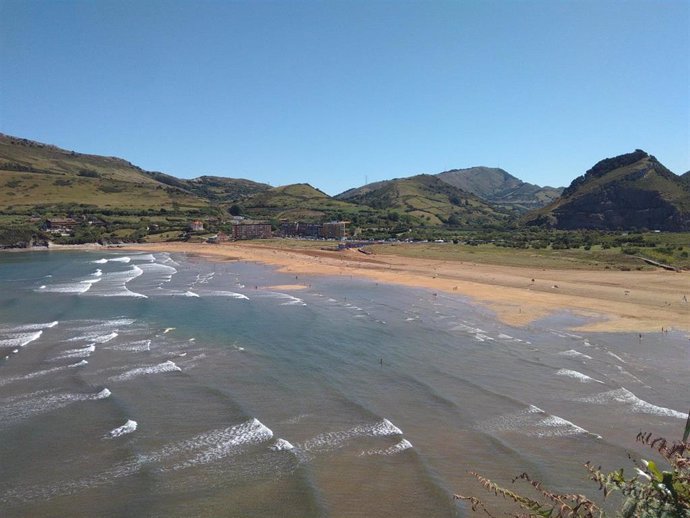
x=428 y=200
x=36 y=175
x=501 y=188
x=631 y=191
x=297 y=202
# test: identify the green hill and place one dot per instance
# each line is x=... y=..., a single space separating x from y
x=686 y=178
x=631 y=191
x=297 y=202
x=427 y=199
x=34 y=175
x=500 y=188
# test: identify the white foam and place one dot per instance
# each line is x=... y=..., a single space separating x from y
x=403 y=445
x=204 y=278
x=616 y=357
x=168 y=260
x=213 y=445
x=138 y=346
x=190 y=294
x=78 y=287
x=160 y=272
x=554 y=426
x=31 y=327
x=168 y=329
x=20 y=339
x=84 y=352
x=572 y=353
x=576 y=375
x=289 y=299
x=129 y=427
x=123 y=259
x=100 y=261
x=482 y=337
x=97 y=273
x=230 y=294
x=332 y=440
x=103 y=394
x=79 y=364
x=31 y=375
x=468 y=329
x=114 y=284
x=168 y=366
x=282 y=445
x=41 y=402
x=95 y=337
x=625 y=397
x=533 y=421
x=101 y=325
x=192 y=362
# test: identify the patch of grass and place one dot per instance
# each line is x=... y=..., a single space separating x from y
x=528 y=258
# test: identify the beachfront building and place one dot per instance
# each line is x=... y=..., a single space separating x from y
x=61 y=226
x=196 y=226
x=334 y=230
x=248 y=230
x=298 y=229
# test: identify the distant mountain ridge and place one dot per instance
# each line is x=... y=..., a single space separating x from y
x=630 y=191
x=491 y=184
x=500 y=187
x=428 y=198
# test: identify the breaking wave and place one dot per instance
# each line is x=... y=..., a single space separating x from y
x=533 y=421
x=635 y=404
x=572 y=353
x=20 y=339
x=31 y=327
x=168 y=366
x=576 y=375
x=403 y=445
x=282 y=445
x=129 y=427
x=30 y=406
x=332 y=440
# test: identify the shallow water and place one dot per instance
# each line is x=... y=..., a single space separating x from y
x=149 y=385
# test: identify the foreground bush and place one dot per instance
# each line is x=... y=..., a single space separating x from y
x=652 y=493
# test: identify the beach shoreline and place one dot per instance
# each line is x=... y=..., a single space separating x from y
x=611 y=301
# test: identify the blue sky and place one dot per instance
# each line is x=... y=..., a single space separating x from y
x=334 y=92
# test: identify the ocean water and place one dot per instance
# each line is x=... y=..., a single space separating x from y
x=135 y=384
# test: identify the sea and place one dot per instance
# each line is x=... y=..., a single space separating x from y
x=158 y=385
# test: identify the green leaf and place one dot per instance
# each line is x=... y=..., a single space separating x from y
x=651 y=466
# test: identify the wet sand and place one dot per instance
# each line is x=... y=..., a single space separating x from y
x=633 y=301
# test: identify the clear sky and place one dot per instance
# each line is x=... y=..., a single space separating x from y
x=334 y=92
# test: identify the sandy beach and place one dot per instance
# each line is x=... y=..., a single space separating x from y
x=625 y=301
